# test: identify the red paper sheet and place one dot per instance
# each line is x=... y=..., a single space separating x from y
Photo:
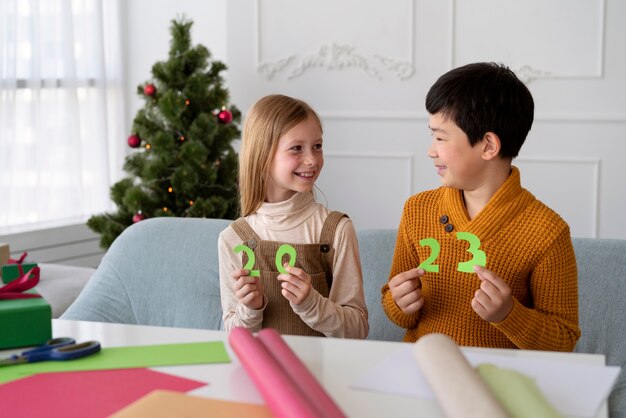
x=84 y=394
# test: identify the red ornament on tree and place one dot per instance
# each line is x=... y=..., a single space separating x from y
x=225 y=116
x=149 y=89
x=139 y=216
x=134 y=141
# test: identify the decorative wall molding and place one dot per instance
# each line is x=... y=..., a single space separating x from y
x=567 y=118
x=337 y=56
x=528 y=74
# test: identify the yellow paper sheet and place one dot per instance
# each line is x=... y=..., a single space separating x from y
x=168 y=404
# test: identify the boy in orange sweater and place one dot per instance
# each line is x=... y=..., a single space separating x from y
x=496 y=266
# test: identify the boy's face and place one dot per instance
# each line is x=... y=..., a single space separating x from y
x=458 y=163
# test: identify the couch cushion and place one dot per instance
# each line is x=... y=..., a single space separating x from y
x=602 y=307
x=376 y=247
x=160 y=271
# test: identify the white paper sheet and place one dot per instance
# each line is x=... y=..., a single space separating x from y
x=574 y=389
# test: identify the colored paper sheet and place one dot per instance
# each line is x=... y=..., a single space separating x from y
x=84 y=394
x=127 y=357
x=168 y=404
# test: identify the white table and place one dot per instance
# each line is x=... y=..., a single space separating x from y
x=335 y=362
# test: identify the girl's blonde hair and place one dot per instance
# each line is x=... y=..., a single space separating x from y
x=269 y=119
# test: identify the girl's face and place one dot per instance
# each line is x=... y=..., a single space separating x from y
x=297 y=163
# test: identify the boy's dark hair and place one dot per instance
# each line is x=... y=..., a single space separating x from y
x=485 y=97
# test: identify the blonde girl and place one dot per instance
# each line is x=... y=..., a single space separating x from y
x=315 y=289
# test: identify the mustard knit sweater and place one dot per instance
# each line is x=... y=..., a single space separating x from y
x=526 y=244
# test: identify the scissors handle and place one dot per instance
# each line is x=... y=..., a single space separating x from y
x=50 y=344
x=65 y=352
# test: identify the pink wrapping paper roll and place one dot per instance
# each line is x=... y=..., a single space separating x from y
x=282 y=397
x=299 y=374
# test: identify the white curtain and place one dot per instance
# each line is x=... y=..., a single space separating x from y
x=61 y=110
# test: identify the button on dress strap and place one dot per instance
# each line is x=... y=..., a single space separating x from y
x=245 y=232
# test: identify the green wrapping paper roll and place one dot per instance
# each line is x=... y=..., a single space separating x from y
x=518 y=393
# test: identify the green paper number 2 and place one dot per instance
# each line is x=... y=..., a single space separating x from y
x=284 y=249
x=478 y=256
x=251 y=259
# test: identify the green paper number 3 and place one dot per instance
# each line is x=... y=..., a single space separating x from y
x=478 y=256
x=283 y=250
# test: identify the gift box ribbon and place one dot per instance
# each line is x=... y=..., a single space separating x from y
x=19 y=262
x=15 y=289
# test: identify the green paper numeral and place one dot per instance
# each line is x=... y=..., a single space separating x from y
x=283 y=250
x=251 y=259
x=427 y=264
x=478 y=256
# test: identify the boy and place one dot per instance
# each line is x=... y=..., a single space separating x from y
x=496 y=266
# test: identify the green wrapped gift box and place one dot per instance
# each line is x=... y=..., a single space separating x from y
x=11 y=272
x=24 y=322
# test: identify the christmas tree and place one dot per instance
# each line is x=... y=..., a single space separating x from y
x=183 y=162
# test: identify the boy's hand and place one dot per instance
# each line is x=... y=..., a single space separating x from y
x=406 y=291
x=296 y=284
x=249 y=290
x=493 y=300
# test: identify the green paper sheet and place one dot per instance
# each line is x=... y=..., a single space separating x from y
x=519 y=394
x=126 y=358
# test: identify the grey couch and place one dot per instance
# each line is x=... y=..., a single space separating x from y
x=164 y=271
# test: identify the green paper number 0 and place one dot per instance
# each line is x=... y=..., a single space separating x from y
x=282 y=250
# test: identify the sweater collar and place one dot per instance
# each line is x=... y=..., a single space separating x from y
x=501 y=209
x=287 y=214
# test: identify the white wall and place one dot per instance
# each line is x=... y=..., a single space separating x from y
x=366 y=66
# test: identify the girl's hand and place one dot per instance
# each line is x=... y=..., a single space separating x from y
x=493 y=300
x=296 y=284
x=249 y=290
x=406 y=292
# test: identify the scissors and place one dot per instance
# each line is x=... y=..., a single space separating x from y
x=59 y=349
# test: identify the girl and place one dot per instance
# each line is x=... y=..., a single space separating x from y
x=322 y=294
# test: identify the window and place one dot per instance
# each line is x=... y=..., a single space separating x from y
x=61 y=109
